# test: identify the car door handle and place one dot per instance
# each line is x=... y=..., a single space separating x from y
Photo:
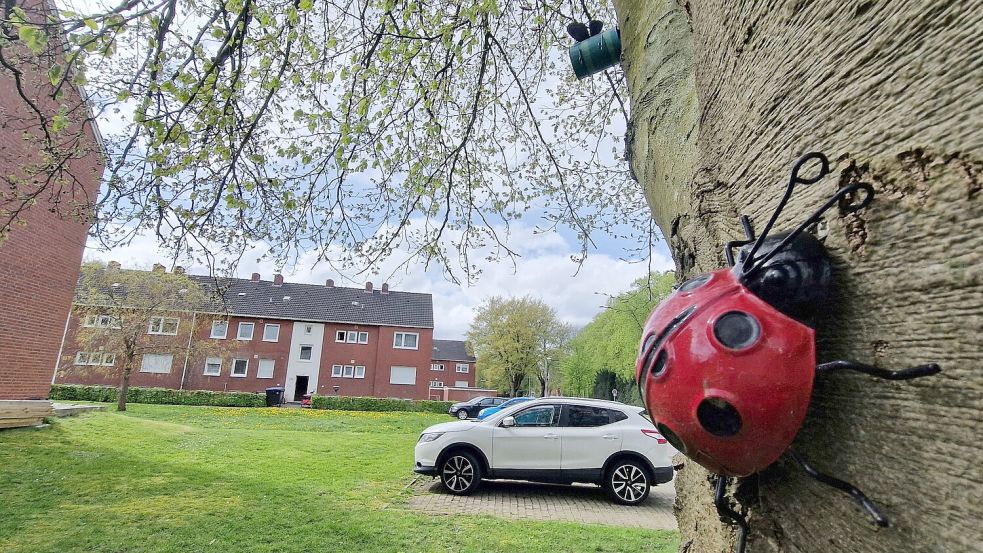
x=552 y=436
x=610 y=437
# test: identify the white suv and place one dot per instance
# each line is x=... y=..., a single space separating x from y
x=551 y=439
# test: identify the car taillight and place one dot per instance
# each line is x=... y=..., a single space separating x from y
x=655 y=434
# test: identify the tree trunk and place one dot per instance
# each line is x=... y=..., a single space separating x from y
x=124 y=388
x=542 y=386
x=724 y=96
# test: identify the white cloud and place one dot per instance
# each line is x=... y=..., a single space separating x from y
x=543 y=270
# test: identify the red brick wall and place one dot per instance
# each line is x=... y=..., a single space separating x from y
x=39 y=262
x=232 y=348
x=336 y=353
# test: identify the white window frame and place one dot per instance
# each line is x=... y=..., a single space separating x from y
x=363 y=337
x=436 y=366
x=266 y=329
x=101 y=321
x=300 y=353
x=159 y=322
x=349 y=372
x=351 y=336
x=259 y=367
x=391 y=375
x=336 y=371
x=232 y=371
x=225 y=332
x=252 y=330
x=108 y=359
x=461 y=384
x=399 y=338
x=90 y=321
x=143 y=362
x=359 y=371
x=82 y=358
x=339 y=336
x=467 y=367
x=213 y=361
x=436 y=384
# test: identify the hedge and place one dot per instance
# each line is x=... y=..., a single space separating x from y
x=163 y=396
x=346 y=403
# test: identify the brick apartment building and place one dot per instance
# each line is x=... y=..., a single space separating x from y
x=40 y=257
x=451 y=367
x=308 y=338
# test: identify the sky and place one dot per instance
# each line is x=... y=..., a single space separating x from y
x=544 y=271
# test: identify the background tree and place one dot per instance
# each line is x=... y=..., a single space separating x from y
x=725 y=96
x=508 y=337
x=118 y=309
x=353 y=128
x=609 y=343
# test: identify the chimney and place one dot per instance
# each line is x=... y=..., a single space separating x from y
x=158 y=268
x=385 y=287
x=368 y=287
x=329 y=283
x=278 y=280
x=179 y=270
x=114 y=265
x=254 y=278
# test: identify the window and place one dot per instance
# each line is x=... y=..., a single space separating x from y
x=352 y=337
x=101 y=321
x=436 y=384
x=585 y=416
x=437 y=367
x=245 y=331
x=463 y=367
x=403 y=375
x=405 y=340
x=95 y=358
x=90 y=321
x=240 y=367
x=544 y=415
x=363 y=337
x=271 y=333
x=213 y=366
x=265 y=369
x=359 y=371
x=340 y=336
x=461 y=384
x=349 y=371
x=336 y=371
x=305 y=352
x=158 y=364
x=220 y=329
x=163 y=325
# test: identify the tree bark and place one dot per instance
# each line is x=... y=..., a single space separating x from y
x=124 y=387
x=724 y=96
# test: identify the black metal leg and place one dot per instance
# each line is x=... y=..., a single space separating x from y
x=902 y=374
x=748 y=238
x=841 y=485
x=726 y=512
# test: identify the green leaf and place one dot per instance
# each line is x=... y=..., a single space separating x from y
x=54 y=74
x=91 y=23
x=306 y=5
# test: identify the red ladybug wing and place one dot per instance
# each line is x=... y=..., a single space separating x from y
x=734 y=410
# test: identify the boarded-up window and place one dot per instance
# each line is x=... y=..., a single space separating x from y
x=403 y=375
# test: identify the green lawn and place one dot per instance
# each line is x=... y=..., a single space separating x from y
x=164 y=478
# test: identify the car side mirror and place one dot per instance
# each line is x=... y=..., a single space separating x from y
x=508 y=422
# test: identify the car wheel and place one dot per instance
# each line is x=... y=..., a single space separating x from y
x=462 y=414
x=627 y=482
x=460 y=473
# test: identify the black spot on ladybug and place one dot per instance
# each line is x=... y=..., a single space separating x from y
x=694 y=283
x=718 y=417
x=671 y=437
x=737 y=330
x=659 y=366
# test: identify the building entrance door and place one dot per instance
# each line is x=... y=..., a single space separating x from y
x=301 y=387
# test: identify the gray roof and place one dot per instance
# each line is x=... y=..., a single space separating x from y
x=319 y=303
x=451 y=350
x=309 y=302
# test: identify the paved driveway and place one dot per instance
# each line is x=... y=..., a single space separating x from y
x=523 y=500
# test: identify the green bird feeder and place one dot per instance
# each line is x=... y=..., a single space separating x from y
x=596 y=54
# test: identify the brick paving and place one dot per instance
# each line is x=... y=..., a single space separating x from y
x=524 y=500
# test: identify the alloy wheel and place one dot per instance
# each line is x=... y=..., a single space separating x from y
x=462 y=414
x=629 y=483
x=458 y=473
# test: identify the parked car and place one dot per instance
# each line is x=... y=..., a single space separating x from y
x=489 y=411
x=552 y=439
x=469 y=409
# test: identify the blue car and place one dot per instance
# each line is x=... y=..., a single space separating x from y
x=489 y=411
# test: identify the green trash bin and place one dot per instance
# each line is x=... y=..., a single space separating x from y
x=596 y=54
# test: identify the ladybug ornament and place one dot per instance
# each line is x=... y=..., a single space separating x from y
x=727 y=361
